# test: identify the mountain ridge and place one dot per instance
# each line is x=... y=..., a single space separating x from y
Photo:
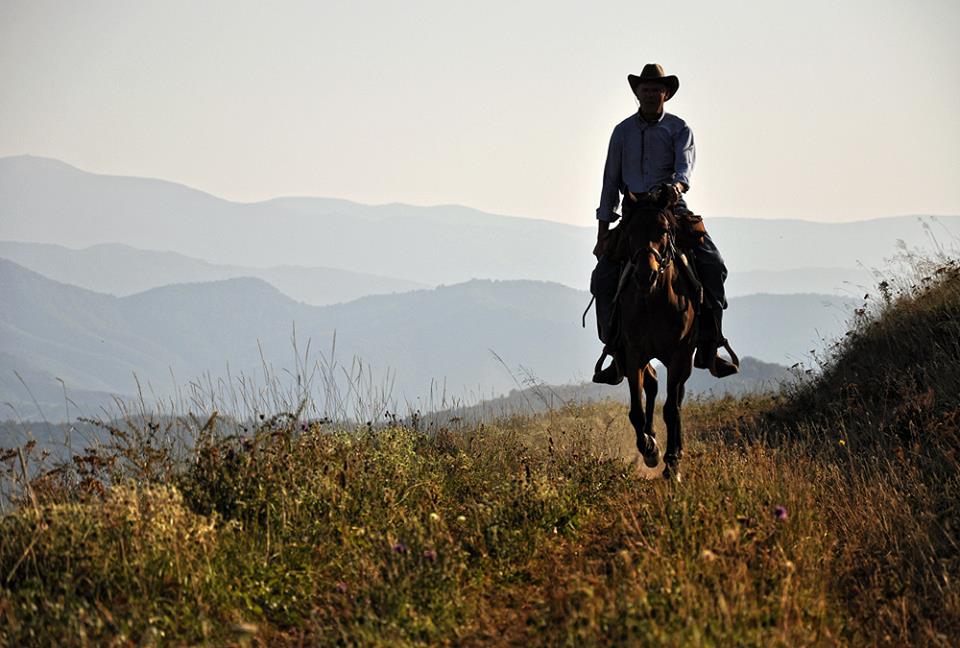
x=291 y=199
x=120 y=270
x=454 y=335
x=427 y=245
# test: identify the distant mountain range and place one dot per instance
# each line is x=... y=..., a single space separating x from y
x=122 y=270
x=443 y=338
x=47 y=201
x=107 y=277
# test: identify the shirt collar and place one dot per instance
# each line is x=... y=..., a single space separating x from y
x=643 y=122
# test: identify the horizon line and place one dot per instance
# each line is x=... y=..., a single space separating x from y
x=438 y=205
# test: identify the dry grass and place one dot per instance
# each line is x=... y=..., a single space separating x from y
x=828 y=515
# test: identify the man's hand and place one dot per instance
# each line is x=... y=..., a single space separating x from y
x=600 y=248
x=674 y=191
x=603 y=229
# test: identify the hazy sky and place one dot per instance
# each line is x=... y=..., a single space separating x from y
x=824 y=110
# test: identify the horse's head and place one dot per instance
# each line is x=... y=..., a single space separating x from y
x=649 y=226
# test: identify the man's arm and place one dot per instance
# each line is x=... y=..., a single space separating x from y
x=685 y=155
x=603 y=228
x=610 y=191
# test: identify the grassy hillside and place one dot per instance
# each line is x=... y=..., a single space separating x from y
x=825 y=515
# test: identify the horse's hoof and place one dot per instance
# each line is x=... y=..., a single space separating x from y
x=671 y=473
x=651 y=455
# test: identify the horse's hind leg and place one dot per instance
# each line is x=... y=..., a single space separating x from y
x=677 y=374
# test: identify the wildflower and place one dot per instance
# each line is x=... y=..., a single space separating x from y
x=430 y=555
x=342 y=587
x=461 y=518
x=708 y=555
x=841 y=443
x=435 y=517
x=780 y=513
x=399 y=548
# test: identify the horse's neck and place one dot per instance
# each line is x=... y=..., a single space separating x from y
x=665 y=294
x=672 y=283
x=675 y=290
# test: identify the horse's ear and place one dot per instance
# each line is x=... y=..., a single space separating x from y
x=631 y=195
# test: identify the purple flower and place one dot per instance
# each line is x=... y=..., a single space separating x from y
x=430 y=555
x=399 y=548
x=780 y=513
x=342 y=587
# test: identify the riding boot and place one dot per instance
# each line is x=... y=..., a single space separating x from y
x=603 y=285
x=612 y=375
x=710 y=339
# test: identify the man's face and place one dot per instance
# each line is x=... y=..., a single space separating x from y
x=652 y=95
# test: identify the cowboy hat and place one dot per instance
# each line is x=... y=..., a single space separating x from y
x=654 y=72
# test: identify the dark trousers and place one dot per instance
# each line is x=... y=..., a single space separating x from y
x=603 y=286
x=710 y=268
x=712 y=272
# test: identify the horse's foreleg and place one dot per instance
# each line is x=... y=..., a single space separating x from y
x=642 y=425
x=636 y=404
x=677 y=374
x=650 y=390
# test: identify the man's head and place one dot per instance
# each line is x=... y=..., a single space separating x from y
x=653 y=83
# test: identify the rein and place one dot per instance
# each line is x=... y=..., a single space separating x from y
x=664 y=260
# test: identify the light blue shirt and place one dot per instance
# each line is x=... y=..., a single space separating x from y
x=643 y=155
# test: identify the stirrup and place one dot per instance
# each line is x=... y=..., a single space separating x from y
x=609 y=376
x=719 y=367
x=723 y=367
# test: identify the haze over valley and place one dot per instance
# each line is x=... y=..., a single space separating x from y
x=105 y=278
x=48 y=201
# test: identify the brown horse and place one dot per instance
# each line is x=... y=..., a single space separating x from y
x=658 y=303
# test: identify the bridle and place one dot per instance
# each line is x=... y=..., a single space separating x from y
x=664 y=260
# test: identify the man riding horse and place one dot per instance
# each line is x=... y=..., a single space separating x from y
x=652 y=149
